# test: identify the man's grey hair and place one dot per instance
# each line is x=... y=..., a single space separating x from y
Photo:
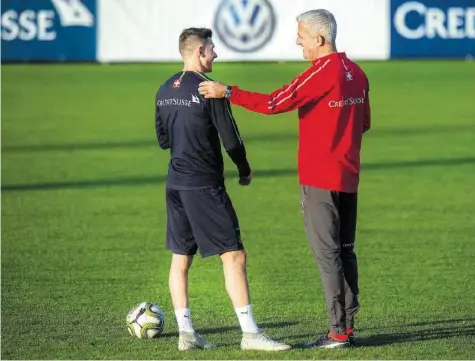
x=321 y=22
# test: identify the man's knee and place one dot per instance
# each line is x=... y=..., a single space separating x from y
x=181 y=263
x=235 y=258
x=329 y=260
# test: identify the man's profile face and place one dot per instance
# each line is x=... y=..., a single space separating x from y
x=307 y=41
x=208 y=55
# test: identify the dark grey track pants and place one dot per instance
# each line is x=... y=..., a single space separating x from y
x=330 y=224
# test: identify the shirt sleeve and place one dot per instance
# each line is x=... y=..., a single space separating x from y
x=228 y=131
x=160 y=128
x=367 y=112
x=308 y=86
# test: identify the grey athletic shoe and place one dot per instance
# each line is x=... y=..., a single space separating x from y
x=351 y=338
x=260 y=341
x=192 y=340
x=326 y=341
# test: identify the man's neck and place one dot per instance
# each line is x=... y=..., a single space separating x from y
x=325 y=52
x=192 y=66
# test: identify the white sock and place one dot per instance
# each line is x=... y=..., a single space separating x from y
x=246 y=319
x=183 y=318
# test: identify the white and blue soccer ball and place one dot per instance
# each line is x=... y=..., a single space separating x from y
x=145 y=320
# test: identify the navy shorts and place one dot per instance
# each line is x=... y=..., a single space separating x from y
x=201 y=220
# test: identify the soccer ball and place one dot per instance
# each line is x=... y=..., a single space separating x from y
x=145 y=320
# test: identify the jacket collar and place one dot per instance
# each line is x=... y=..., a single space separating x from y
x=329 y=56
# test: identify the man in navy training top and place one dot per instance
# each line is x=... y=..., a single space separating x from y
x=200 y=215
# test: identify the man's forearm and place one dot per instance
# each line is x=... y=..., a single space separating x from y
x=238 y=156
x=256 y=102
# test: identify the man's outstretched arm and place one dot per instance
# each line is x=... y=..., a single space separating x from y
x=310 y=85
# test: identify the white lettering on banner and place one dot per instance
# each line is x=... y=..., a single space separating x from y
x=73 y=13
x=45 y=22
x=39 y=24
x=470 y=23
x=27 y=19
x=28 y=25
x=345 y=102
x=457 y=23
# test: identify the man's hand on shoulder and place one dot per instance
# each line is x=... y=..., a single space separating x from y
x=212 y=89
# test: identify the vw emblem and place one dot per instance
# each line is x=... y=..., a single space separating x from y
x=245 y=25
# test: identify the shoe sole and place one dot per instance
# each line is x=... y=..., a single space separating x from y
x=335 y=345
x=193 y=347
x=189 y=348
x=283 y=348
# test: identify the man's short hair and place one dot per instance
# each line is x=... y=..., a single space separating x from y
x=190 y=38
x=321 y=21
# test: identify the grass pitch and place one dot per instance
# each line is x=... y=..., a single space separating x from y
x=83 y=217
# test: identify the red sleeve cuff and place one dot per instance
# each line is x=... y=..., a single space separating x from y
x=234 y=94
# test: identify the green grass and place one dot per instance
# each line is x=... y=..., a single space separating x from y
x=83 y=217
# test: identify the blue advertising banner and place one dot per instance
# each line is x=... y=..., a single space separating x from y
x=48 y=30
x=432 y=28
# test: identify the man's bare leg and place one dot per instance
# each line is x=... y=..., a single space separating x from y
x=178 y=283
x=234 y=267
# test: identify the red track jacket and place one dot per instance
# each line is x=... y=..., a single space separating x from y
x=334 y=112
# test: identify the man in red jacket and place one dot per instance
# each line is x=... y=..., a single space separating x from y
x=334 y=111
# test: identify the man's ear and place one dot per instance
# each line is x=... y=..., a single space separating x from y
x=323 y=41
x=318 y=40
x=201 y=50
x=315 y=41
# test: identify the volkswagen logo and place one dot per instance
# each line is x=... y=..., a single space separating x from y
x=245 y=25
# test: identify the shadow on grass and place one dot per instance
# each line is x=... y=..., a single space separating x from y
x=207 y=331
x=418 y=335
x=147 y=180
x=251 y=138
x=431 y=330
x=412 y=333
x=471 y=321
